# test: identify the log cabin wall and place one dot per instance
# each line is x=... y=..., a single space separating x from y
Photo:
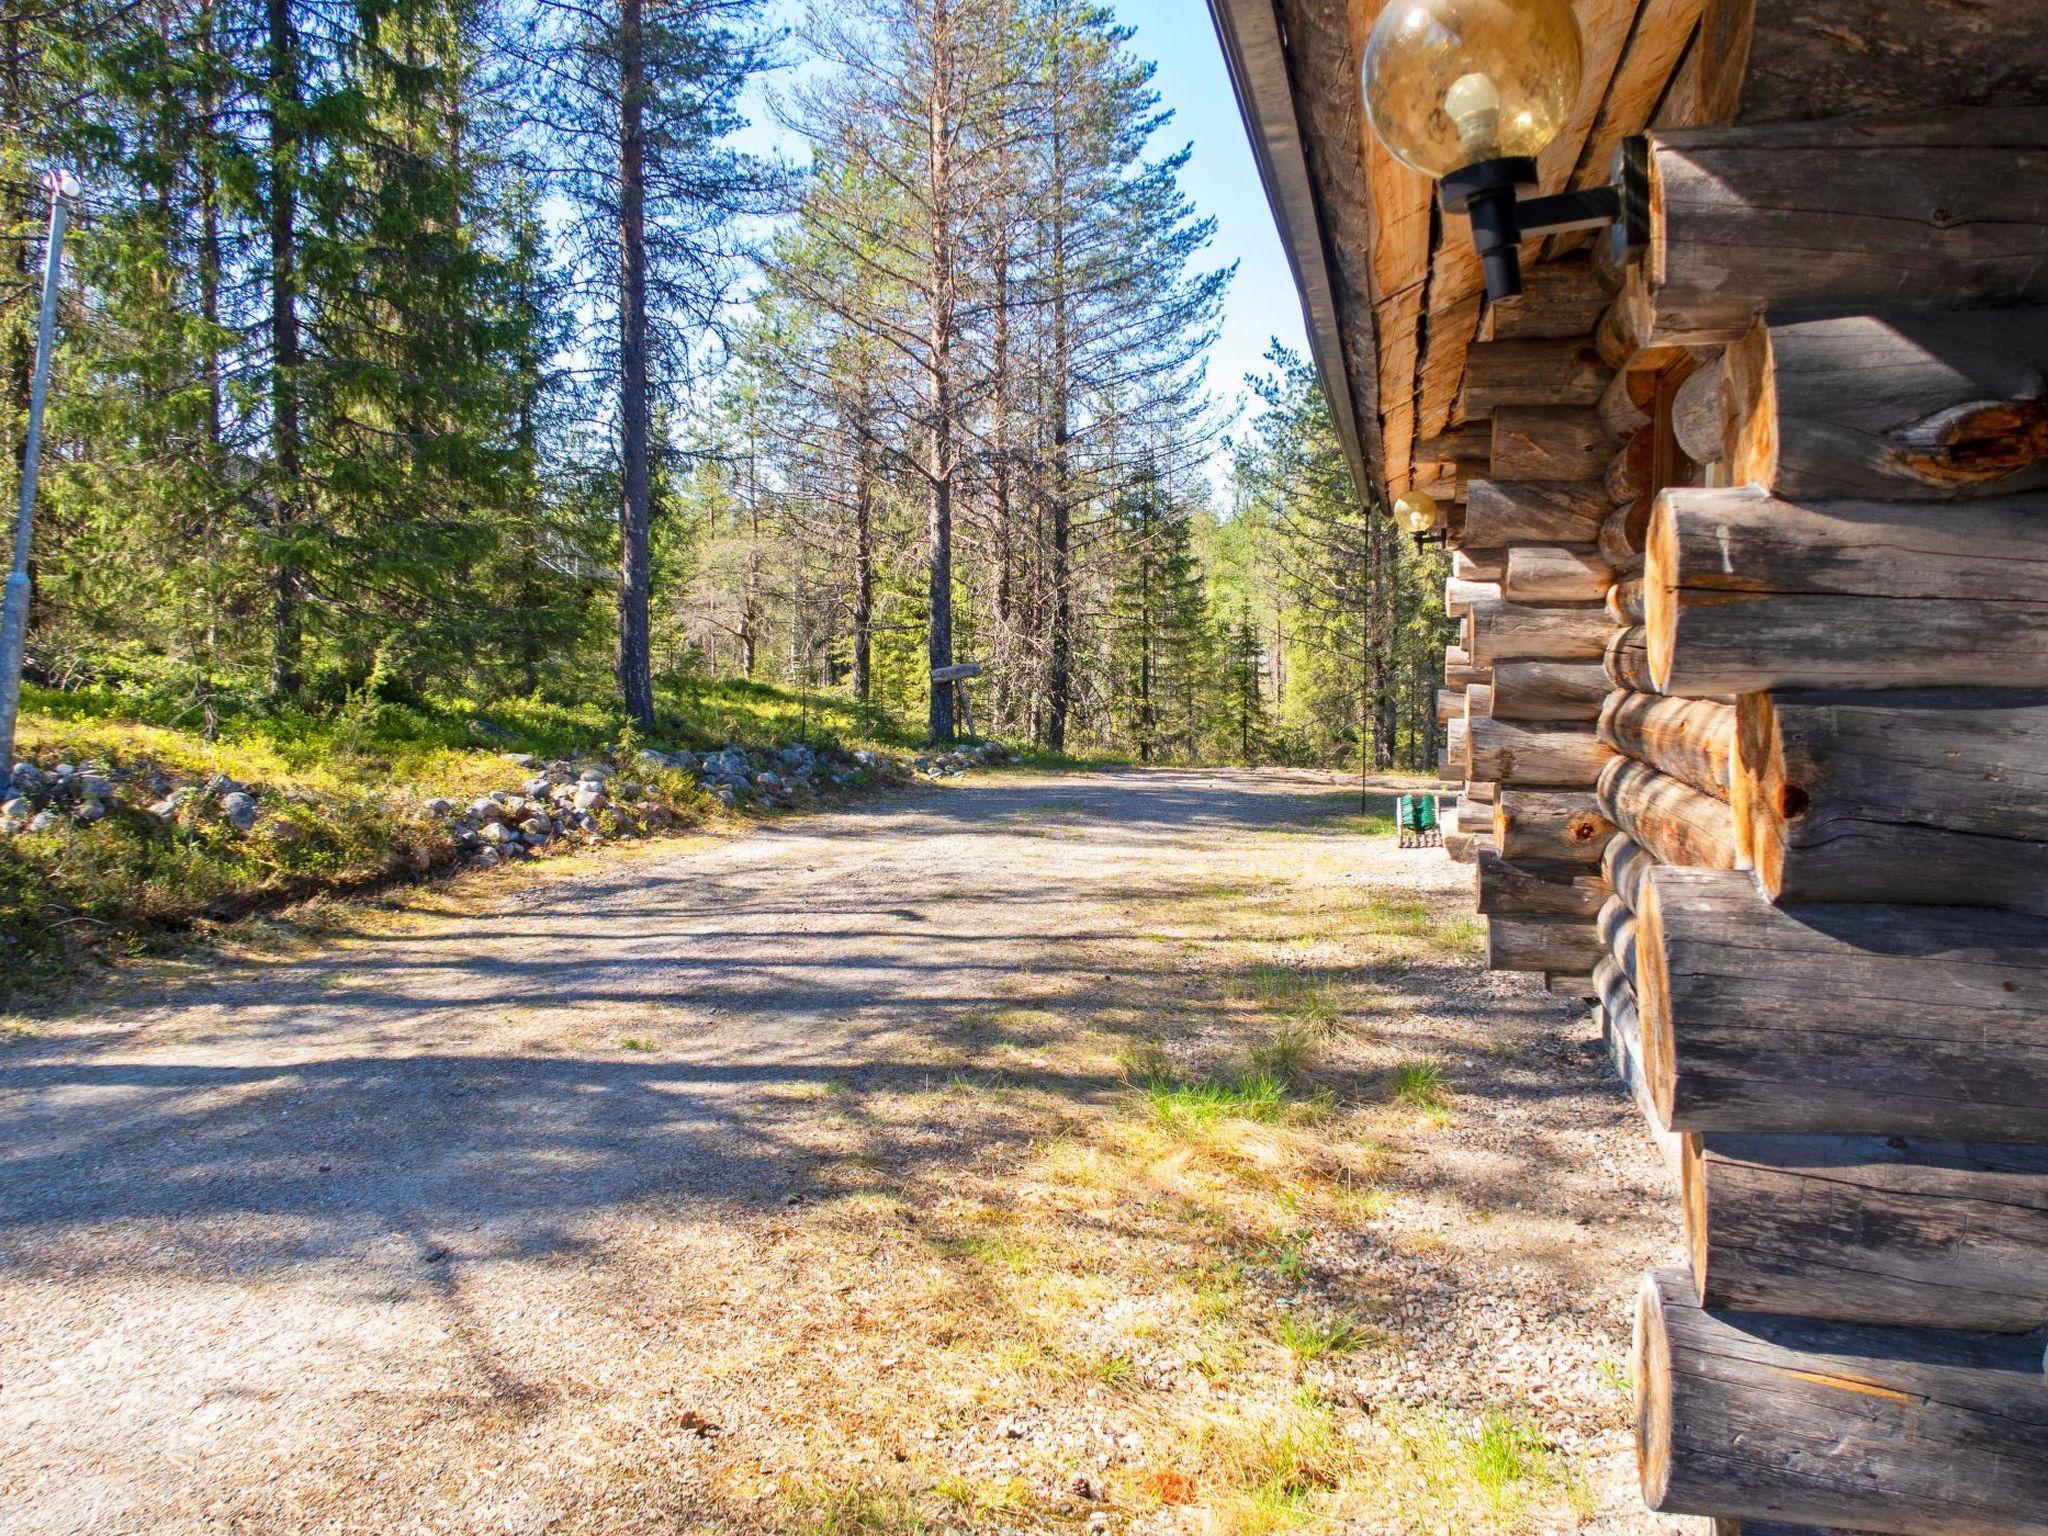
x=1750 y=704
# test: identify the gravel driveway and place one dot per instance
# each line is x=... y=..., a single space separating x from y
x=658 y=1196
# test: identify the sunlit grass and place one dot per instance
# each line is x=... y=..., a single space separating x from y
x=1320 y=1336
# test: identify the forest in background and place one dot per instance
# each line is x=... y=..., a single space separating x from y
x=424 y=352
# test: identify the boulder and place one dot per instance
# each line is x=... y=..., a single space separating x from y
x=240 y=809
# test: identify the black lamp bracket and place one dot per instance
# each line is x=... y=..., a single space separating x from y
x=1497 y=196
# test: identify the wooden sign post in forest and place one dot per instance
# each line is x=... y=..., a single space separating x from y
x=955 y=677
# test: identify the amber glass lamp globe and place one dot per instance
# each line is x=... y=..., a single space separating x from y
x=1449 y=83
x=1416 y=512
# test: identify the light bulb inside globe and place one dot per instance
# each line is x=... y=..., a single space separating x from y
x=1416 y=512
x=1452 y=83
x=1473 y=105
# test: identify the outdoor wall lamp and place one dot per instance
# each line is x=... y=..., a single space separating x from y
x=1470 y=92
x=1420 y=517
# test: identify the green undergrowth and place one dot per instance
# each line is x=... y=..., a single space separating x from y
x=340 y=792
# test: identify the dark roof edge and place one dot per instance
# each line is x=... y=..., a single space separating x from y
x=1255 y=52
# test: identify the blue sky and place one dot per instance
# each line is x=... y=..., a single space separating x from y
x=1223 y=181
x=1221 y=178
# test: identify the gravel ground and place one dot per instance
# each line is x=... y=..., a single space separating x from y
x=798 y=1181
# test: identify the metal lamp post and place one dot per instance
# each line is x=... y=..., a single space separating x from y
x=63 y=187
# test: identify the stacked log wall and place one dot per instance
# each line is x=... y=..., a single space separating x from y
x=1825 y=962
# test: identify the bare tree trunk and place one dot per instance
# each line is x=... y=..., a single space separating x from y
x=1060 y=678
x=939 y=446
x=635 y=661
x=281 y=109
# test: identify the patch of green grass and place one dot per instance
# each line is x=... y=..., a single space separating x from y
x=1210 y=1101
x=1460 y=934
x=1422 y=1085
x=1507 y=1461
x=1012 y=1253
x=1320 y=1337
x=1292 y=991
x=1273 y=1466
x=1287 y=1253
x=637 y=1043
x=1399 y=917
x=1285 y=1056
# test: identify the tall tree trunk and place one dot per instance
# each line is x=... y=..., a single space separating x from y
x=939 y=438
x=864 y=566
x=281 y=115
x=636 y=578
x=1060 y=672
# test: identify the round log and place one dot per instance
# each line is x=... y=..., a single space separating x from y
x=1459 y=596
x=1625 y=862
x=1478 y=705
x=1623 y=533
x=1550 y=574
x=1625 y=601
x=1504 y=512
x=1784 y=1418
x=1869 y=1229
x=1565 y=825
x=1618 y=934
x=1549 y=690
x=1548 y=756
x=1504 y=631
x=1550 y=371
x=1912 y=797
x=1696 y=414
x=1536 y=888
x=1626 y=660
x=1671 y=819
x=1542 y=944
x=1744 y=591
x=1479 y=564
x=1692 y=740
x=1620 y=412
x=1550 y=442
x=1915 y=212
x=1839 y=1019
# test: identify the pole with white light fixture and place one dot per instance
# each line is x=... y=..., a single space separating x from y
x=1470 y=92
x=63 y=188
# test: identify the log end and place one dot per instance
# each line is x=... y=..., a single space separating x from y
x=1692 y=1199
x=1764 y=804
x=1660 y=592
x=1653 y=1005
x=1651 y=1367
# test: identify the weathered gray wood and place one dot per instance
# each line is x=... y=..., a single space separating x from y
x=1459 y=596
x=1623 y=534
x=1549 y=690
x=1859 y=58
x=1932 y=212
x=1672 y=820
x=1618 y=934
x=1696 y=414
x=1478 y=705
x=1779 y=1528
x=1469 y=564
x=1692 y=740
x=1553 y=574
x=1475 y=790
x=1459 y=671
x=1547 y=756
x=1537 y=888
x=1550 y=824
x=1826 y=1019
x=1746 y=591
x=1464 y=847
x=1563 y=371
x=1626 y=660
x=1757 y=1415
x=1473 y=816
x=1504 y=631
x=1504 y=512
x=1870 y=1229
x=1621 y=413
x=1622 y=1034
x=1892 y=406
x=1550 y=443
x=1468 y=443
x=1559 y=985
x=1625 y=862
x=1450 y=705
x=960 y=672
x=1541 y=944
x=1631 y=473
x=1457 y=756
x=1938 y=797
x=1625 y=601
x=1558 y=299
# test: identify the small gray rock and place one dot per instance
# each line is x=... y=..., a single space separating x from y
x=43 y=821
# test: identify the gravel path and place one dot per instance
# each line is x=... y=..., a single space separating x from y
x=734 y=1186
